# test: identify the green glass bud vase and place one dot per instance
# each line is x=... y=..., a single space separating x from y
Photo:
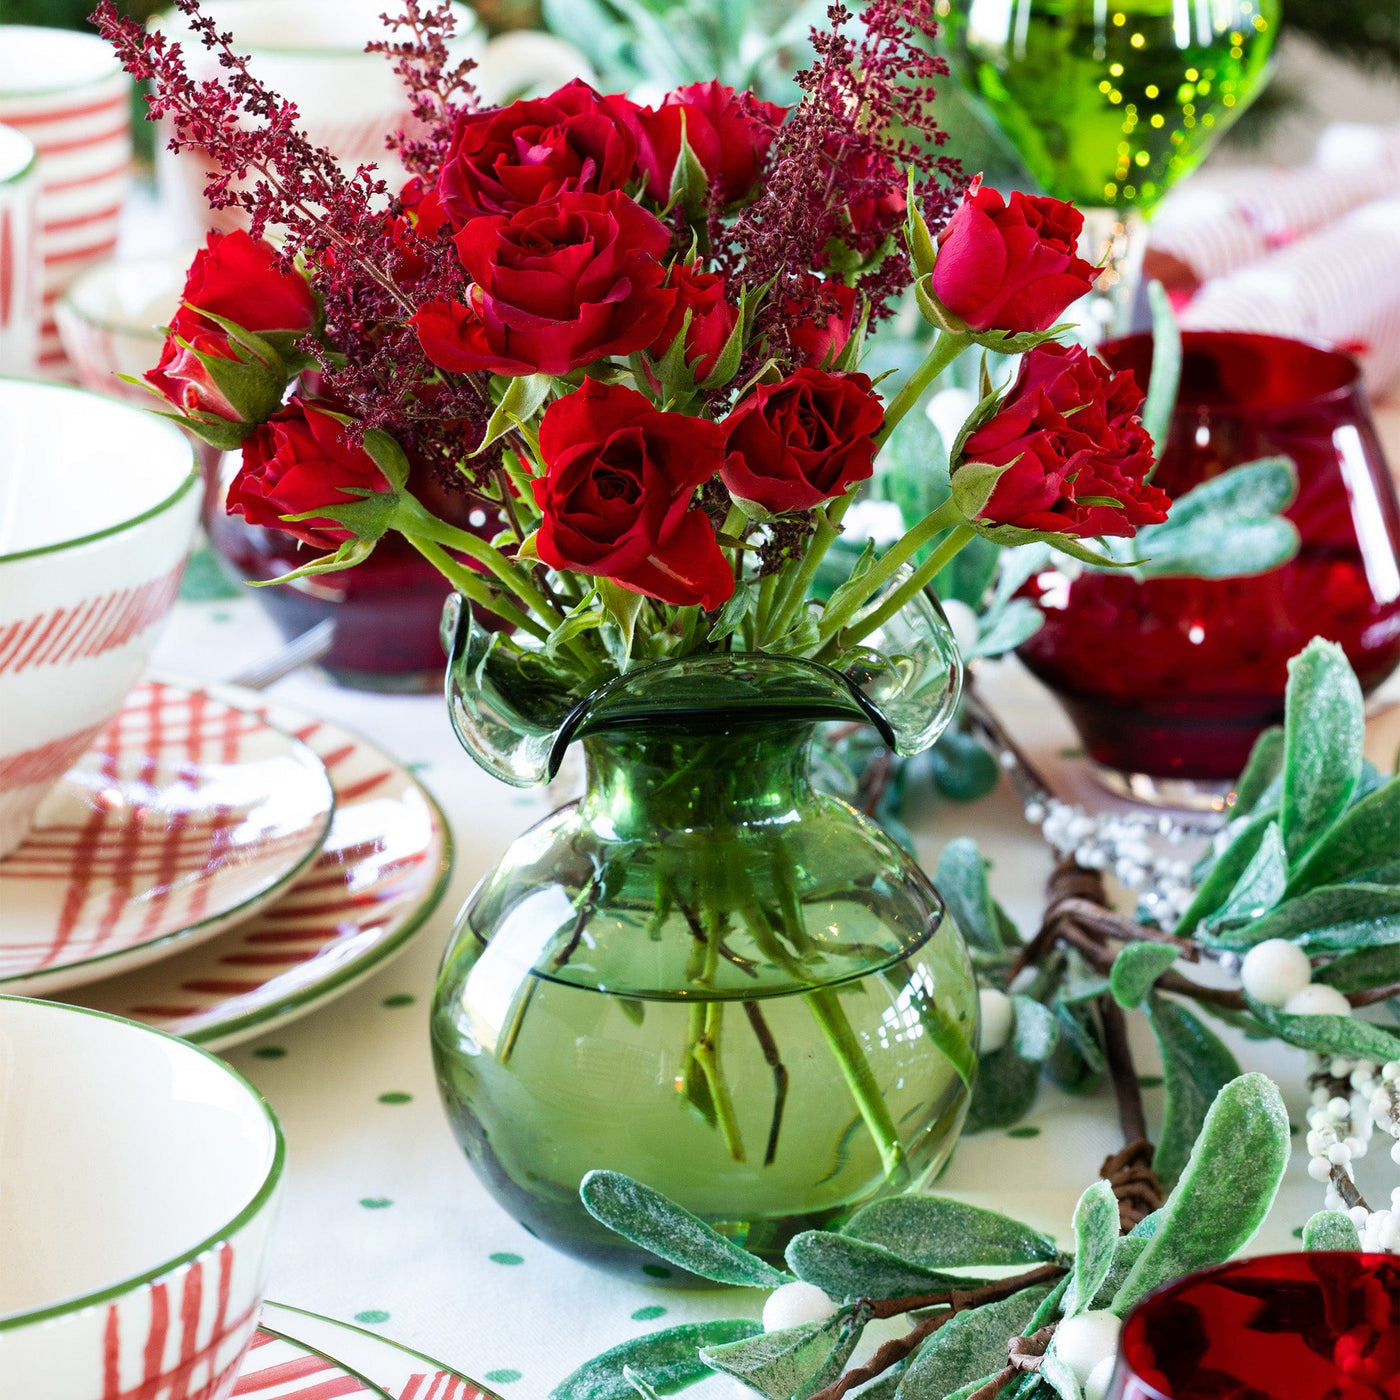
x=704 y=973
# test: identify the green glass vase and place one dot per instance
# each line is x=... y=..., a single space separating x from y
x=704 y=973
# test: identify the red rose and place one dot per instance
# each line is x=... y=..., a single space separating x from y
x=616 y=497
x=729 y=132
x=238 y=279
x=420 y=220
x=819 y=318
x=1070 y=430
x=556 y=287
x=791 y=445
x=512 y=157
x=1011 y=267
x=712 y=319
x=300 y=460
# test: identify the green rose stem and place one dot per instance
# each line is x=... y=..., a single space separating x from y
x=946 y=348
x=471 y=585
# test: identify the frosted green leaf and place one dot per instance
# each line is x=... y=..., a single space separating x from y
x=935 y=1232
x=1095 y=1236
x=1361 y=844
x=967 y=1346
x=1060 y=1378
x=639 y=1384
x=1125 y=1254
x=1371 y=967
x=1136 y=968
x=1324 y=727
x=962 y=881
x=1331 y=1229
x=667 y=1361
x=778 y=1364
x=1333 y=918
x=1332 y=1035
x=1225 y=871
x=1004 y=1090
x=1162 y=383
x=1260 y=886
x=1196 y=1066
x=1265 y=765
x=1225 y=1191
x=1037 y=1031
x=850 y=1268
x=650 y=1220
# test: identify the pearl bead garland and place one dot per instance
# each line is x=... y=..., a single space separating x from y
x=1350 y=1100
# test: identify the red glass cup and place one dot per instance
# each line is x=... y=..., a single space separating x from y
x=1173 y=679
x=1305 y=1326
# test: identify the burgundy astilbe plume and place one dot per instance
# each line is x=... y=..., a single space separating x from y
x=266 y=166
x=837 y=172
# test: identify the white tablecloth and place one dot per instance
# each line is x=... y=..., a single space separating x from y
x=384 y=1221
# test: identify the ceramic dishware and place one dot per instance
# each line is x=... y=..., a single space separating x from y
x=67 y=93
x=185 y=817
x=312 y=53
x=98 y=505
x=140 y=1178
x=110 y=320
x=380 y=874
x=21 y=269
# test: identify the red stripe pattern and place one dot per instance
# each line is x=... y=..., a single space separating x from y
x=441 y=1385
x=45 y=763
x=277 y=1368
x=190 y=1349
x=89 y=628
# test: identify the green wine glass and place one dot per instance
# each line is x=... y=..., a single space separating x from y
x=1111 y=102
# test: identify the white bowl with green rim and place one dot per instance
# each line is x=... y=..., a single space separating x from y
x=139 y=1184
x=98 y=507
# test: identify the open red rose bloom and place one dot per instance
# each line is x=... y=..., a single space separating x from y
x=632 y=334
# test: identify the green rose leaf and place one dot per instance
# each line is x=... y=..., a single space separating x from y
x=1323 y=730
x=1331 y=1035
x=523 y=397
x=1196 y=1066
x=667 y=1361
x=967 y=1347
x=650 y=1220
x=936 y=1232
x=1136 y=968
x=779 y=1364
x=1225 y=1191
x=1333 y=919
x=1003 y=1092
x=1360 y=844
x=1331 y=1229
x=1095 y=1240
x=845 y=1267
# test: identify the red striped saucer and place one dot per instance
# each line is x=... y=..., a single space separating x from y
x=298 y=1355
x=381 y=872
x=185 y=815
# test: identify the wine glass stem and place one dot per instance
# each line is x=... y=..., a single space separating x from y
x=1115 y=240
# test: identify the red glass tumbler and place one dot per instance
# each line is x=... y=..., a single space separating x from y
x=1175 y=678
x=1305 y=1326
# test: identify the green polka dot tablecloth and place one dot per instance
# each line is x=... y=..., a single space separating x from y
x=385 y=1225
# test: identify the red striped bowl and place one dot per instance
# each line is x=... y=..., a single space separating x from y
x=98 y=505
x=67 y=93
x=144 y=1177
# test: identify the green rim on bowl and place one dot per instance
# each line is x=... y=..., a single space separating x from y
x=188 y=483
x=260 y=1198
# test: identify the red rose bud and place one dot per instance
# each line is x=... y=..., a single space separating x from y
x=1011 y=267
x=789 y=446
x=301 y=460
x=617 y=496
x=238 y=278
x=516 y=156
x=555 y=287
x=421 y=218
x=728 y=132
x=819 y=317
x=712 y=319
x=1070 y=432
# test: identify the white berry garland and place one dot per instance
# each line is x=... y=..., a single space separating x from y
x=1350 y=1100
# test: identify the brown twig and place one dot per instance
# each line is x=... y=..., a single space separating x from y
x=1122 y=1070
x=1346 y=1189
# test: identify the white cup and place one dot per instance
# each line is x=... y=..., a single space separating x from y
x=98 y=506
x=139 y=1184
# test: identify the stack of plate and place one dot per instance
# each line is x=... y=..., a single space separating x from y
x=217 y=864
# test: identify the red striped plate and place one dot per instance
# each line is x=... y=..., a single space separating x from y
x=185 y=816
x=381 y=872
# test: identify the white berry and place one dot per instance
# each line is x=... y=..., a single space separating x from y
x=1097 y=1383
x=1275 y=971
x=1319 y=1169
x=1084 y=1341
x=1317 y=999
x=795 y=1303
x=997 y=1016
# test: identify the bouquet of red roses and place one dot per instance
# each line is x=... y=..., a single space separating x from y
x=600 y=362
